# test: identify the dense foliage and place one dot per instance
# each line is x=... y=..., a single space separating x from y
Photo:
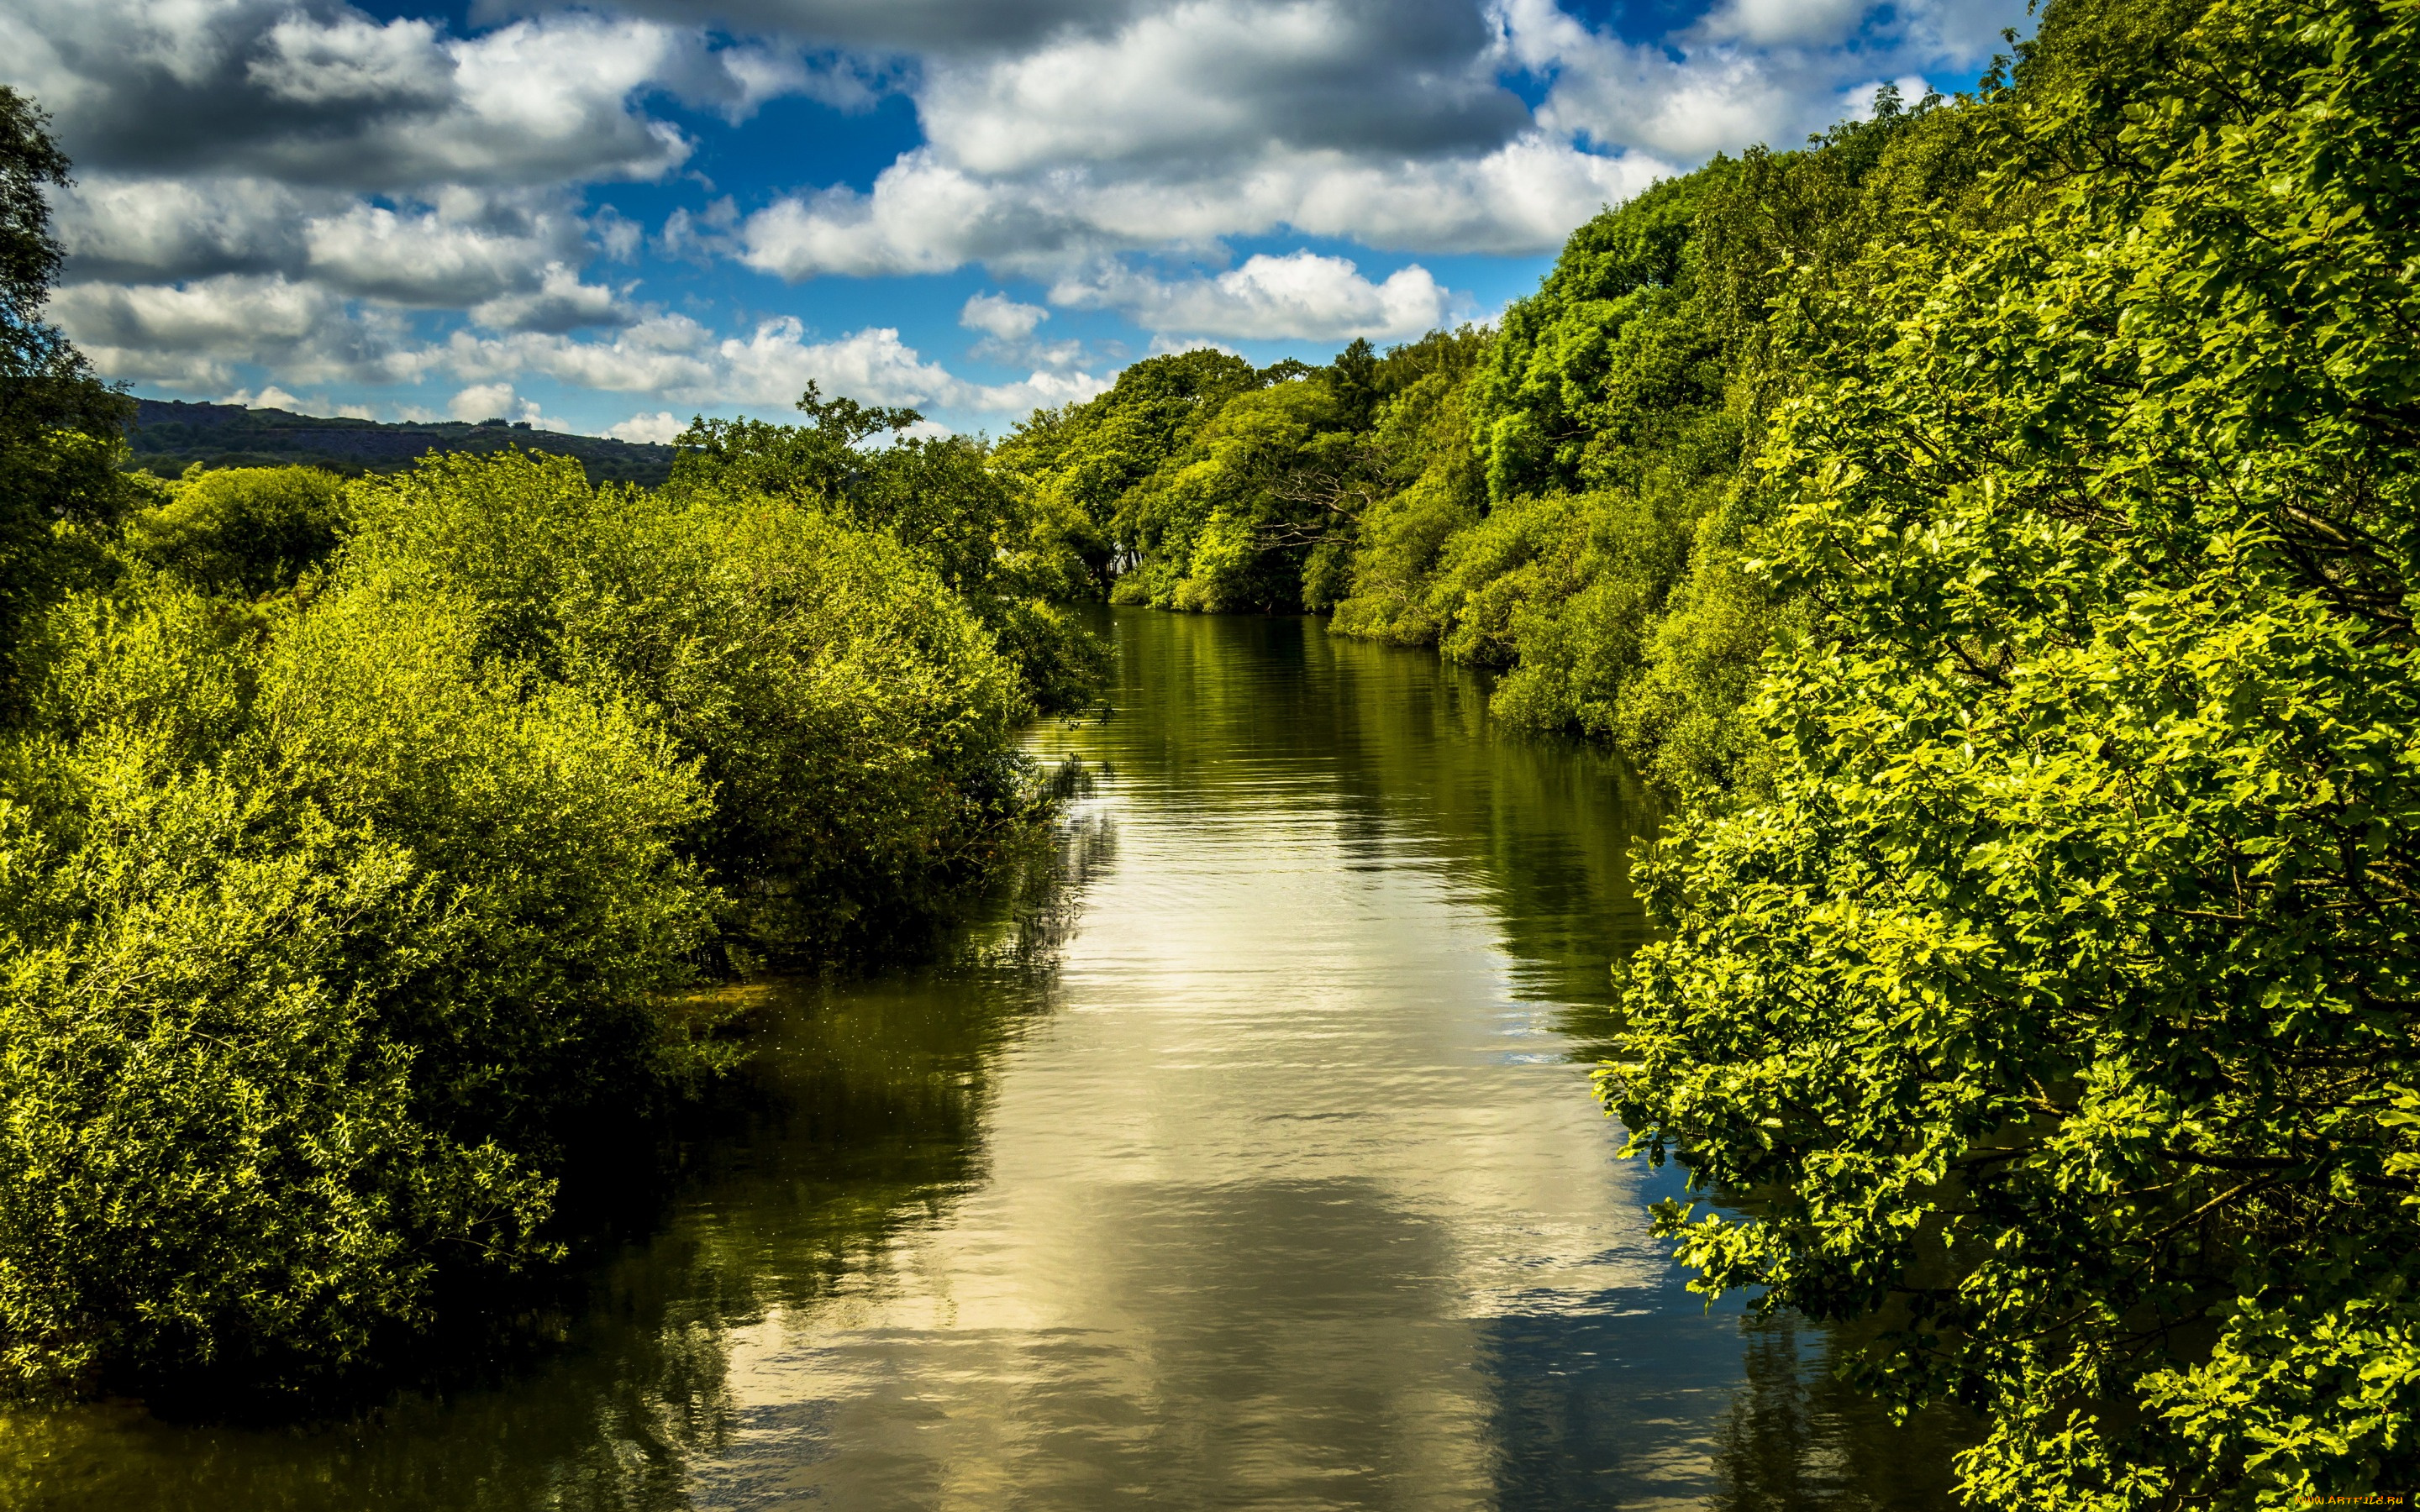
x=315 y=942
x=1994 y=520
x=337 y=899
x=2054 y=1001
x=357 y=839
x=849 y=713
x=1000 y=549
x=1569 y=499
x=240 y=532
x=58 y=424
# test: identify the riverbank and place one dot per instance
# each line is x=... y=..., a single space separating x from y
x=1250 y=1164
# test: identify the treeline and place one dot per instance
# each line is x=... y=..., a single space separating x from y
x=169 y=435
x=357 y=839
x=1994 y=524
x=1568 y=499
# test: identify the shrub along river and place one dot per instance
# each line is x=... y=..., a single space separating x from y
x=1243 y=1156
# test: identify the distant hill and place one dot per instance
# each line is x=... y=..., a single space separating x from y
x=168 y=436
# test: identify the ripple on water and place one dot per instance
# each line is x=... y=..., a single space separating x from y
x=1261 y=1173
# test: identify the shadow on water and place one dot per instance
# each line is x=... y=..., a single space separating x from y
x=860 y=1113
x=1238 y=1154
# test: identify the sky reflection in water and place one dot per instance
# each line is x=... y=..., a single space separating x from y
x=1245 y=1160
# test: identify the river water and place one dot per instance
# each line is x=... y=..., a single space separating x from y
x=1242 y=1157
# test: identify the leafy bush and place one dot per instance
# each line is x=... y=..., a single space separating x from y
x=848 y=711
x=998 y=548
x=335 y=925
x=315 y=948
x=242 y=532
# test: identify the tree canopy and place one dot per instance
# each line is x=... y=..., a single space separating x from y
x=58 y=424
x=2054 y=1001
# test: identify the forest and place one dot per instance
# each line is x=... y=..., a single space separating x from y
x=1990 y=527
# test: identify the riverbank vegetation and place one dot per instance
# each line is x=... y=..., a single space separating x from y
x=357 y=839
x=1993 y=524
x=1990 y=525
x=1568 y=500
x=2055 y=987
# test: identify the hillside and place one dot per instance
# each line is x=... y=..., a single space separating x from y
x=168 y=436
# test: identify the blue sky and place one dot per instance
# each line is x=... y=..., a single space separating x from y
x=609 y=217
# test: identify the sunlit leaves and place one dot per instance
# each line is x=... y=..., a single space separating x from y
x=2056 y=1005
x=334 y=923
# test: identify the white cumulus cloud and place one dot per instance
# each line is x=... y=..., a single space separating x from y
x=269 y=397
x=687 y=363
x=314 y=63
x=1303 y=296
x=497 y=401
x=1000 y=317
x=925 y=216
x=560 y=302
x=659 y=428
x=482 y=401
x=193 y=334
x=300 y=193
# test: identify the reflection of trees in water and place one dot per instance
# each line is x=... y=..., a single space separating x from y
x=1537 y=828
x=608 y=1435
x=1797 y=1438
x=1537 y=831
x=864 y=1117
x=859 y=1117
x=1034 y=906
x=1543 y=828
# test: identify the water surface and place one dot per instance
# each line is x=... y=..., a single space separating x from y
x=1243 y=1158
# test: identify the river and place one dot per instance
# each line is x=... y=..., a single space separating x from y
x=1241 y=1157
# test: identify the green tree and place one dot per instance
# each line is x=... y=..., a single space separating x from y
x=59 y=426
x=1254 y=510
x=1220 y=486
x=1011 y=559
x=1434 y=488
x=1612 y=342
x=1584 y=519
x=850 y=712
x=817 y=461
x=1079 y=462
x=2054 y=1007
x=317 y=951
x=242 y=532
